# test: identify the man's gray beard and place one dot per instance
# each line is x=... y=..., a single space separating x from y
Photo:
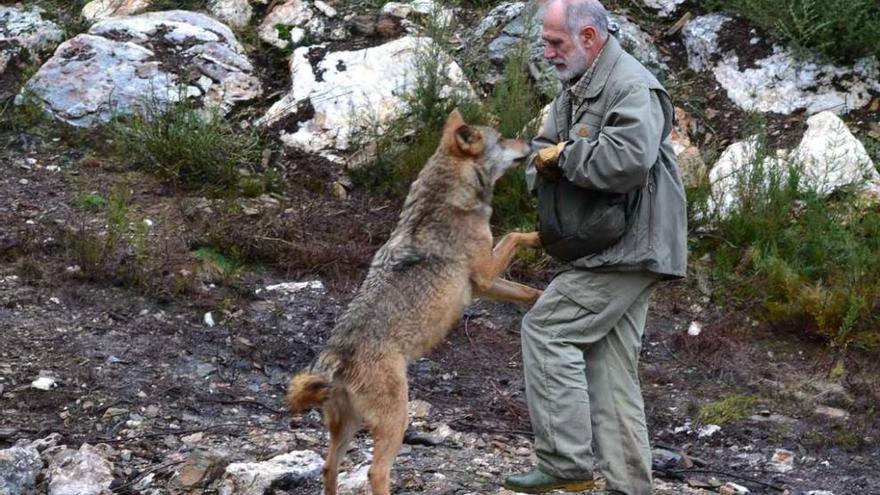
x=576 y=70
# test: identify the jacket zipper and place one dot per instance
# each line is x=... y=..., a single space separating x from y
x=651 y=187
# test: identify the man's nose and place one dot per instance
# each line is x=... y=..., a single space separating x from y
x=548 y=52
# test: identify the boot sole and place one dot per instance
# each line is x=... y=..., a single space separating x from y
x=574 y=486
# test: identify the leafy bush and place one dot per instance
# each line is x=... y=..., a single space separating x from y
x=191 y=146
x=840 y=29
x=731 y=409
x=807 y=259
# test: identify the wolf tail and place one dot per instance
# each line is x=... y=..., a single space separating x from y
x=308 y=390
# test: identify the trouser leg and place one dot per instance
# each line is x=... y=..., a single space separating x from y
x=563 y=336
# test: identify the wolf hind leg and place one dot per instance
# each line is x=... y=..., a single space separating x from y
x=343 y=425
x=384 y=400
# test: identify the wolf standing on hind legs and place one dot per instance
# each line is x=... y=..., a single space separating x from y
x=611 y=205
x=438 y=258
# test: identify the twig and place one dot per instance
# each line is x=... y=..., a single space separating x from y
x=731 y=475
x=142 y=475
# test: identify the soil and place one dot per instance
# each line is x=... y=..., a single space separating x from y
x=138 y=367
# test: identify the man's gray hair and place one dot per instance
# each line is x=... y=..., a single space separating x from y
x=582 y=13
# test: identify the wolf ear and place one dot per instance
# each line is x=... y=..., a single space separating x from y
x=461 y=139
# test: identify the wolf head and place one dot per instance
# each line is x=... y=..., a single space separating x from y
x=480 y=150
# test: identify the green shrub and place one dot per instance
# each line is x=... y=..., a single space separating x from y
x=809 y=260
x=731 y=409
x=193 y=147
x=90 y=201
x=840 y=29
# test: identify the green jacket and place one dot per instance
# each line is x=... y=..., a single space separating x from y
x=617 y=133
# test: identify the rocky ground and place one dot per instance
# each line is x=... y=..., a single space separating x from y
x=151 y=370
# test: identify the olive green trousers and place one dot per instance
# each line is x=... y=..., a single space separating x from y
x=581 y=344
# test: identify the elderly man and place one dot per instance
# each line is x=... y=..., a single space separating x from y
x=611 y=205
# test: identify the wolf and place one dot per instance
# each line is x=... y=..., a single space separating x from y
x=438 y=258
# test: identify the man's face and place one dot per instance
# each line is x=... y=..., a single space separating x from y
x=567 y=53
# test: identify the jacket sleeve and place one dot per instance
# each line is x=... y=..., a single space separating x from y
x=620 y=159
x=546 y=137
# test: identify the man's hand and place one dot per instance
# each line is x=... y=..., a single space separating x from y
x=547 y=162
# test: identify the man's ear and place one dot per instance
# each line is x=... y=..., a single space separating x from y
x=589 y=35
x=461 y=139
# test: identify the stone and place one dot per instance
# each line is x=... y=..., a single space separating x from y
x=44 y=383
x=708 y=431
x=782 y=461
x=780 y=82
x=255 y=478
x=832 y=157
x=355 y=480
x=499 y=15
x=25 y=37
x=731 y=488
x=295 y=17
x=665 y=7
x=831 y=412
x=201 y=468
x=236 y=13
x=690 y=161
x=27 y=29
x=418 y=409
x=290 y=288
x=829 y=157
x=347 y=93
x=19 y=467
x=98 y=10
x=77 y=472
x=134 y=64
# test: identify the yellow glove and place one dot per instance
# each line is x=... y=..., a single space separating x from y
x=547 y=161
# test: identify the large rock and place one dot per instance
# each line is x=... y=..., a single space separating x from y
x=665 y=7
x=24 y=38
x=127 y=64
x=255 y=478
x=290 y=23
x=97 y=10
x=78 y=472
x=829 y=158
x=777 y=82
x=526 y=27
x=19 y=466
x=349 y=92
x=236 y=13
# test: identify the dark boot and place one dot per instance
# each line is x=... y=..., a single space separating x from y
x=537 y=481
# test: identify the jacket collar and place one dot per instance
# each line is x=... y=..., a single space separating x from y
x=597 y=75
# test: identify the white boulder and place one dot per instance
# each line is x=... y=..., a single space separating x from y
x=27 y=29
x=828 y=157
x=97 y=10
x=351 y=92
x=779 y=82
x=127 y=64
x=75 y=472
x=295 y=17
x=19 y=467
x=236 y=13
x=255 y=478
x=665 y=7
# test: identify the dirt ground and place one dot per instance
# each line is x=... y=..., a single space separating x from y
x=140 y=369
